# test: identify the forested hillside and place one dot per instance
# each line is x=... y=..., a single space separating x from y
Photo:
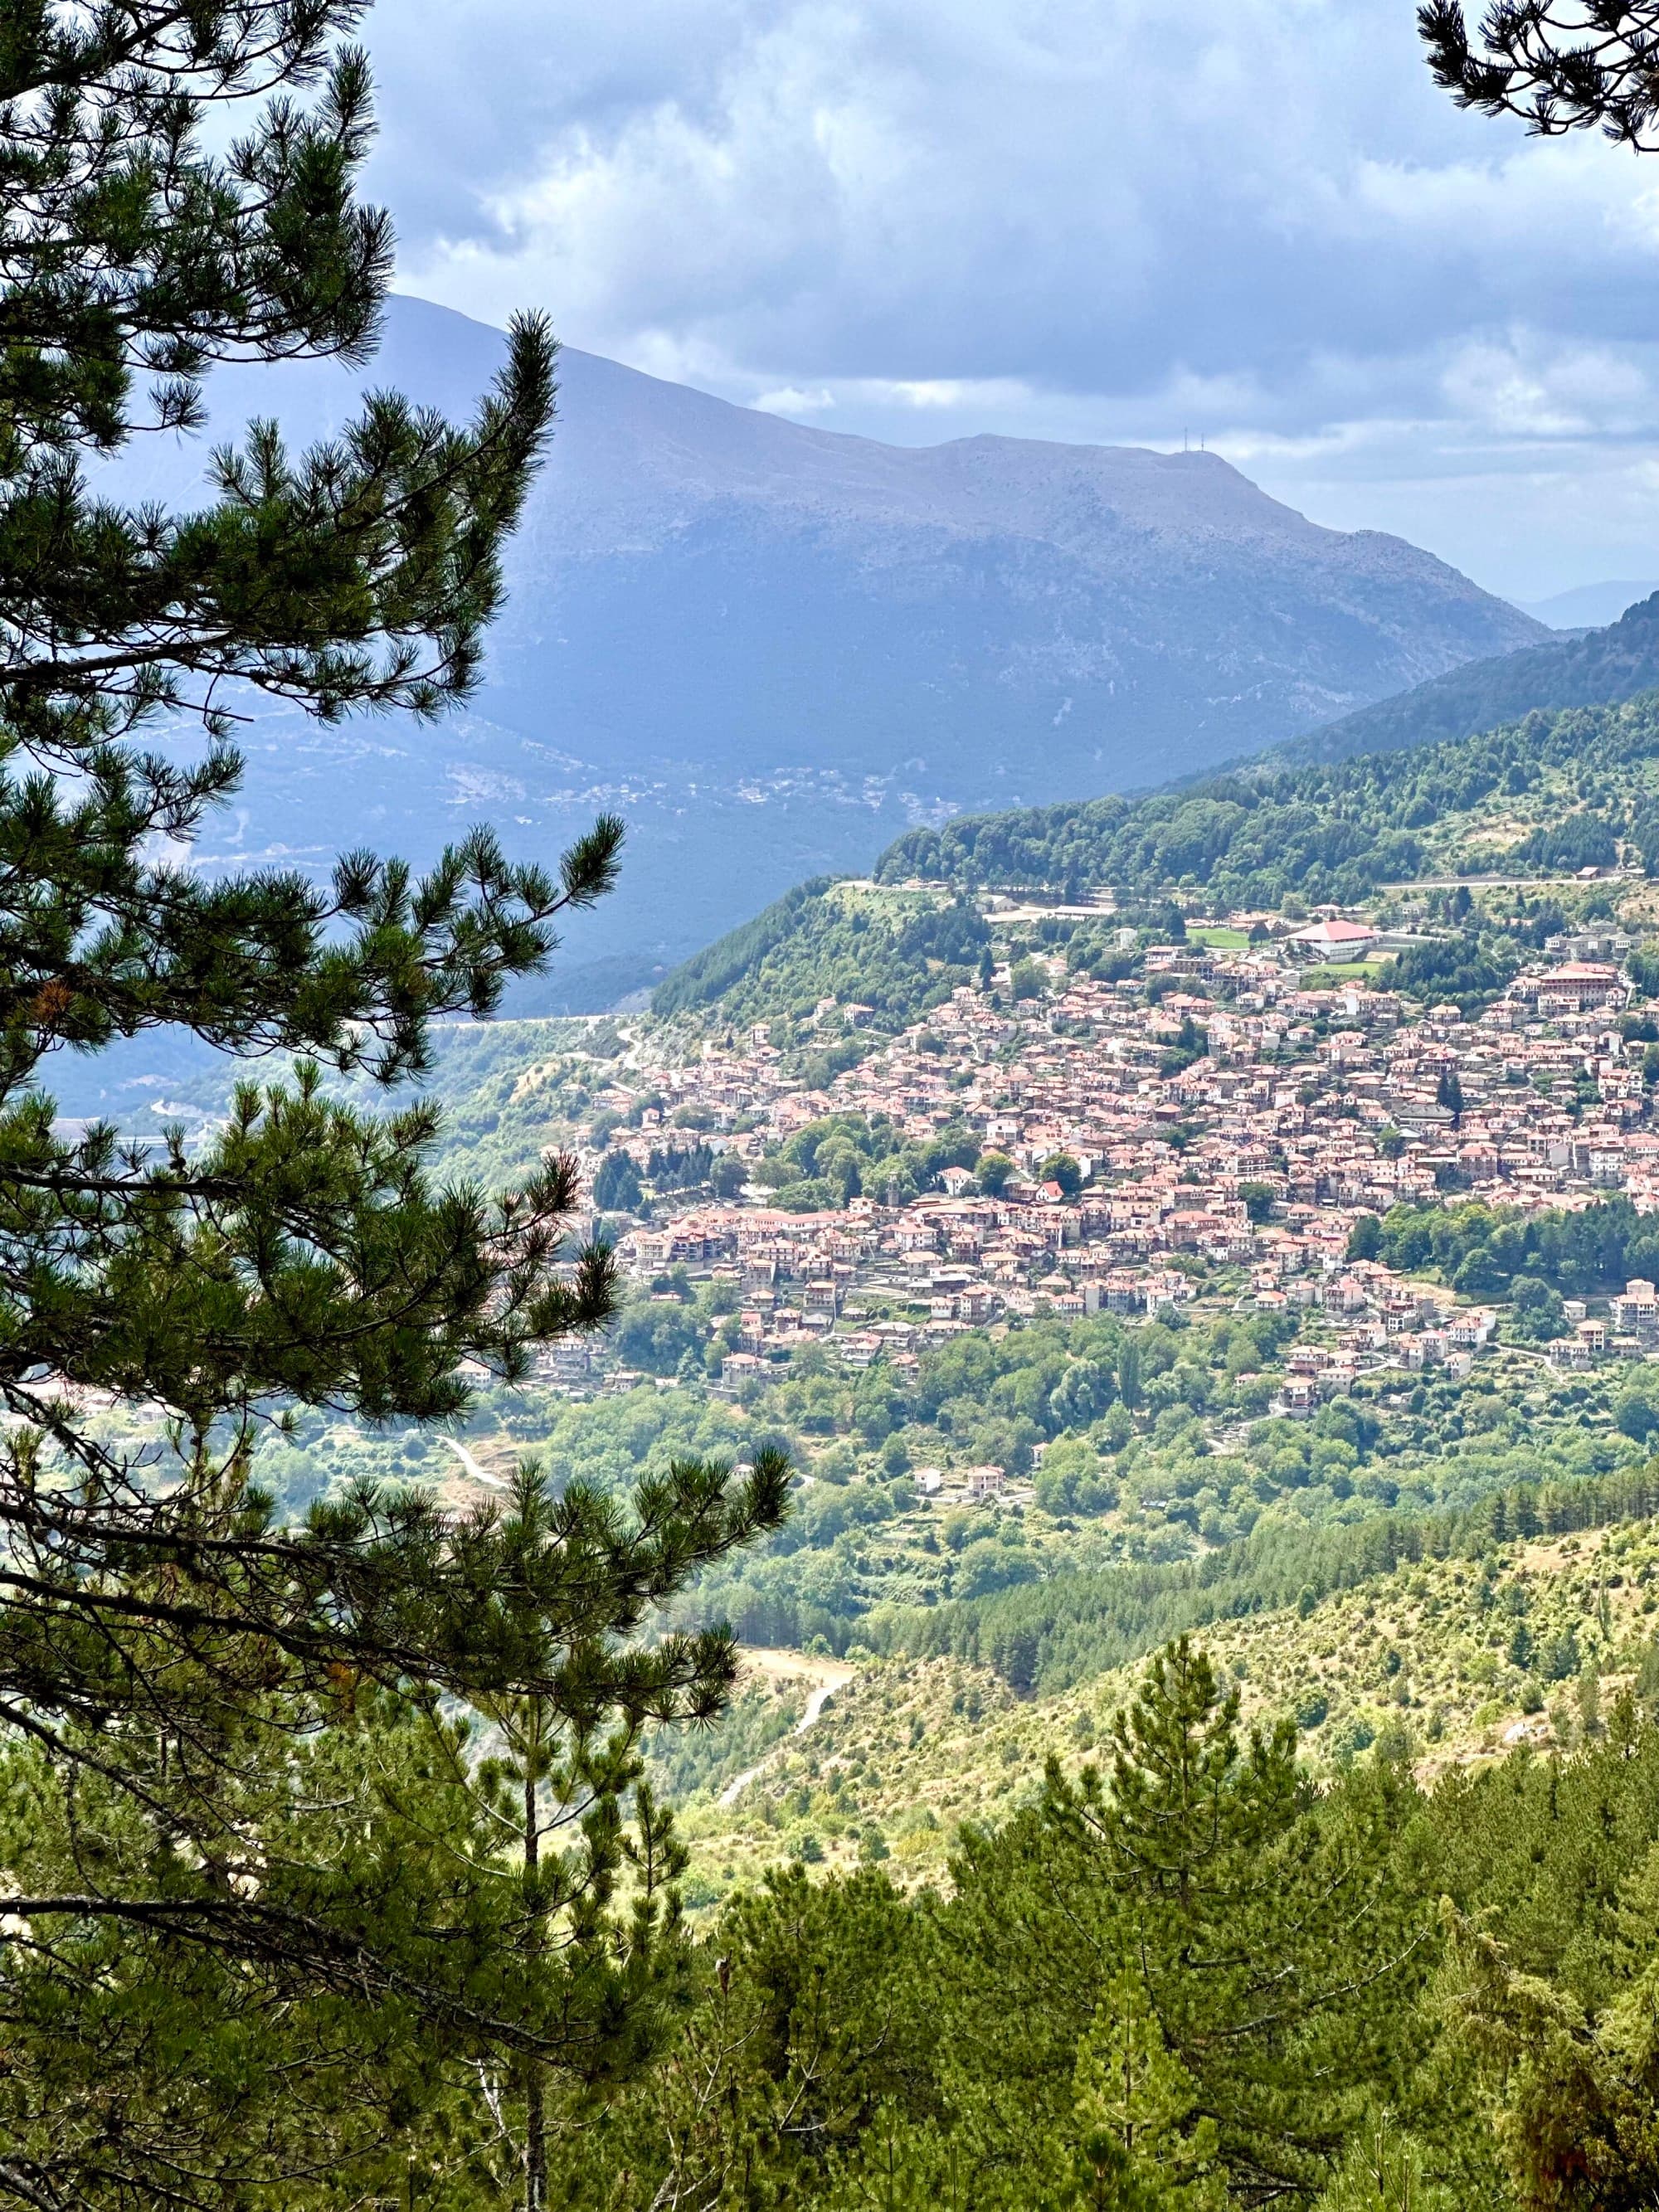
x=1545 y=795
x=1537 y=799
x=836 y=940
x=1076 y=1626
x=1532 y=801
x=1173 y=1976
x=1608 y=664
x=1439 y=1639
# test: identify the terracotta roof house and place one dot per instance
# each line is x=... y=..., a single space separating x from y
x=1336 y=940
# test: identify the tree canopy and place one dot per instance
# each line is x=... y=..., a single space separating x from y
x=1559 y=67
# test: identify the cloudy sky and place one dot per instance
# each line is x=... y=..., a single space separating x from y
x=1254 y=221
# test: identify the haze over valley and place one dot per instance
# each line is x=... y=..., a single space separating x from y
x=773 y=648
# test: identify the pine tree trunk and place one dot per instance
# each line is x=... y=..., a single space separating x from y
x=535 y=2142
x=535 y=2113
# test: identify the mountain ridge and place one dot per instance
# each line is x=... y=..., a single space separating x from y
x=1588 y=606
x=773 y=646
x=1587 y=669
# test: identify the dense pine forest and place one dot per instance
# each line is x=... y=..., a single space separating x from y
x=1184 y=1979
x=1545 y=795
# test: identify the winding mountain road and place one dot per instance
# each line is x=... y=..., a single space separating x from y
x=827 y=1676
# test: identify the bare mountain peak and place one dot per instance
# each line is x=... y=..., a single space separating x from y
x=641 y=462
x=772 y=645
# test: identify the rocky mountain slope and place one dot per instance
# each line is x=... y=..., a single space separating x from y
x=773 y=646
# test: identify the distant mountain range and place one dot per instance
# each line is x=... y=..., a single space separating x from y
x=1587 y=606
x=773 y=647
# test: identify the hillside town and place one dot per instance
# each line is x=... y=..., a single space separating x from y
x=1225 y=1115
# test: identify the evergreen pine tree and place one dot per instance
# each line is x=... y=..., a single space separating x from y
x=1182 y=1797
x=1270 y=1938
x=1383 y=2172
x=166 y=1641
x=1559 y=66
x=1141 y=2148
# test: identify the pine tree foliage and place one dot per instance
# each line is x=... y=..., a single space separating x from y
x=1560 y=65
x=1392 y=1995
x=1384 y=2172
x=1138 y=2151
x=257 y=1901
x=1266 y=1935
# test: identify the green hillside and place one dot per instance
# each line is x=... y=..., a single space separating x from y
x=893 y=954
x=1534 y=801
x=1535 y=764
x=1438 y=1638
x=1168 y=1974
x=1543 y=796
x=1605 y=664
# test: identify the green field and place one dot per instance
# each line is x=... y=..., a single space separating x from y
x=1340 y=971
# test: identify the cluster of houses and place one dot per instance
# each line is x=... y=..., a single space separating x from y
x=1299 y=1109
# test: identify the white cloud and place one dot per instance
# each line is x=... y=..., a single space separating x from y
x=1527 y=388
x=792 y=401
x=930 y=217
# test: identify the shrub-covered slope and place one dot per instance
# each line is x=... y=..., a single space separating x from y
x=1444 y=1638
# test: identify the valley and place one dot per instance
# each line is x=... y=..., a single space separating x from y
x=1416 y=1661
x=777 y=648
x=829 y=1217
x=1115 y=1260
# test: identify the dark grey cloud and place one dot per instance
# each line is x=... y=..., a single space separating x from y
x=916 y=218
